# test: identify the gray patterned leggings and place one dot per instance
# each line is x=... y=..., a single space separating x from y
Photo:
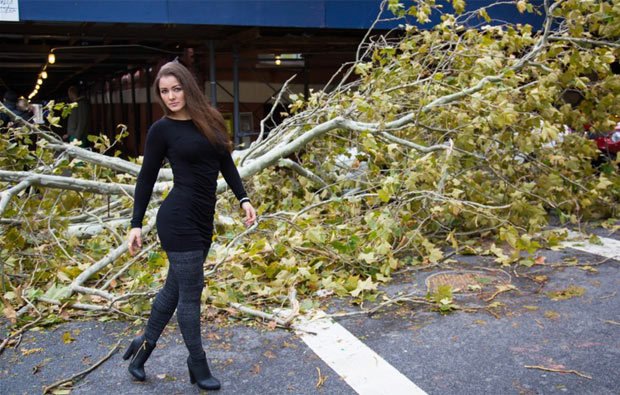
x=181 y=291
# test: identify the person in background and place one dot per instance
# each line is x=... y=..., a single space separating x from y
x=25 y=108
x=10 y=102
x=192 y=136
x=79 y=119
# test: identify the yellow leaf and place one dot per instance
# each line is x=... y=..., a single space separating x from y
x=541 y=278
x=30 y=351
x=384 y=195
x=483 y=13
x=366 y=285
x=367 y=257
x=603 y=183
x=459 y=6
x=10 y=314
x=315 y=235
x=66 y=337
x=53 y=120
x=521 y=6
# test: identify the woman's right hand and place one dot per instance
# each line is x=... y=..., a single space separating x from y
x=134 y=240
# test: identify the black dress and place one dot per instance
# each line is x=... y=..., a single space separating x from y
x=185 y=218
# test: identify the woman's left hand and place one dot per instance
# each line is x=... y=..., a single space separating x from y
x=250 y=213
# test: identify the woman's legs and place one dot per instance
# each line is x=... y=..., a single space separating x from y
x=182 y=291
x=163 y=308
x=189 y=274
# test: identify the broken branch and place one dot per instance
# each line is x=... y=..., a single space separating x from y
x=559 y=371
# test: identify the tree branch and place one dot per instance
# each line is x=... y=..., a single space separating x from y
x=301 y=171
x=109 y=258
x=6 y=196
x=78 y=376
x=586 y=41
x=69 y=183
x=110 y=162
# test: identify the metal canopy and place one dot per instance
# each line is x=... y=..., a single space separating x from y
x=95 y=40
x=95 y=51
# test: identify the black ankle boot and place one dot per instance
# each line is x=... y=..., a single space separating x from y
x=199 y=373
x=139 y=350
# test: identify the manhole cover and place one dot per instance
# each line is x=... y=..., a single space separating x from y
x=466 y=280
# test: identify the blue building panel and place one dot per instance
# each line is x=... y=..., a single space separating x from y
x=274 y=13
x=135 y=11
x=334 y=14
x=351 y=14
x=337 y=14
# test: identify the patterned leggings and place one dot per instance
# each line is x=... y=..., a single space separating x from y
x=182 y=292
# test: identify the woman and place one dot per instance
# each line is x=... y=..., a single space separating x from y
x=192 y=136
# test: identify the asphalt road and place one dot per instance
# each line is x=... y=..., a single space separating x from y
x=459 y=353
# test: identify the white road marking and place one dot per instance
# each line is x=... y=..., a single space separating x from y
x=362 y=368
x=609 y=248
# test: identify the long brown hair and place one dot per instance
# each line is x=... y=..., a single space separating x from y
x=206 y=118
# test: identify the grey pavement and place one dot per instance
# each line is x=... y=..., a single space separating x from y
x=459 y=353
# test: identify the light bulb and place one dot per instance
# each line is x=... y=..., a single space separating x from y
x=39 y=81
x=44 y=74
x=51 y=58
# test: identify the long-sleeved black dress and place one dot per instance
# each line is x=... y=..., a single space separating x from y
x=185 y=218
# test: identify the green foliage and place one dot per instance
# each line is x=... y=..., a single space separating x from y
x=443 y=299
x=572 y=291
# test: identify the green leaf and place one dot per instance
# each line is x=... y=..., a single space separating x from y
x=366 y=285
x=56 y=292
x=459 y=6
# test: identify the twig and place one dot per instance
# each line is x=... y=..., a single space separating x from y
x=611 y=258
x=58 y=243
x=418 y=268
x=559 y=371
x=131 y=295
x=229 y=245
x=18 y=333
x=128 y=264
x=80 y=375
x=302 y=171
x=283 y=322
x=500 y=289
x=411 y=297
x=260 y=314
x=5 y=196
x=275 y=104
x=321 y=379
x=292 y=298
x=92 y=291
x=586 y=41
x=610 y=322
x=611 y=295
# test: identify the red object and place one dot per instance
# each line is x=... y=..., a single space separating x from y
x=606 y=144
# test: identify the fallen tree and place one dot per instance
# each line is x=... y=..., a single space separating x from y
x=431 y=139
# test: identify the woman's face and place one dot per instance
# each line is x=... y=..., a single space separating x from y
x=172 y=94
